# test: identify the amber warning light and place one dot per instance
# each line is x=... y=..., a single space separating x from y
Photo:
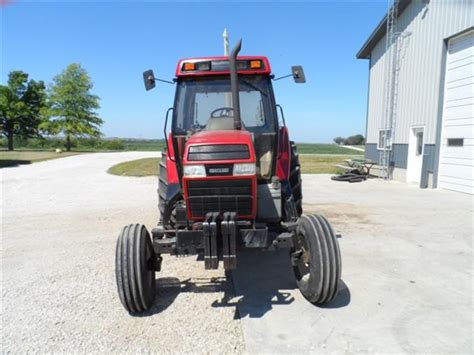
x=255 y=64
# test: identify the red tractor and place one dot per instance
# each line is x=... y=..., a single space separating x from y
x=229 y=179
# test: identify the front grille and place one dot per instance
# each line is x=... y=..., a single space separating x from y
x=218 y=152
x=220 y=196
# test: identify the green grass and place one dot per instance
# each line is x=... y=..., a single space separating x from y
x=140 y=167
x=15 y=158
x=323 y=164
x=310 y=164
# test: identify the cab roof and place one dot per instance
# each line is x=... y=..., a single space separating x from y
x=206 y=66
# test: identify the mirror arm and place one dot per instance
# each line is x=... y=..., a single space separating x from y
x=166 y=81
x=282 y=77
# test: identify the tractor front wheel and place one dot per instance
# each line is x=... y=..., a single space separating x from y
x=316 y=259
x=134 y=271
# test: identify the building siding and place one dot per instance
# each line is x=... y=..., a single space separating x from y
x=398 y=156
x=371 y=152
x=428 y=168
x=399 y=161
x=425 y=27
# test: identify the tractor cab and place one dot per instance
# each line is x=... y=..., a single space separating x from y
x=204 y=107
x=224 y=140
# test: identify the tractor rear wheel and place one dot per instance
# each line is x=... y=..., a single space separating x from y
x=295 y=179
x=316 y=259
x=169 y=221
x=134 y=268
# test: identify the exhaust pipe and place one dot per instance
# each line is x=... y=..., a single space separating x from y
x=234 y=84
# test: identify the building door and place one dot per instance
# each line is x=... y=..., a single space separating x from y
x=415 y=154
x=456 y=160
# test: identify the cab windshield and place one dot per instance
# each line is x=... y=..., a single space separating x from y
x=206 y=104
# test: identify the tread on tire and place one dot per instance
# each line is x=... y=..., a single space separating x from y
x=134 y=275
x=317 y=260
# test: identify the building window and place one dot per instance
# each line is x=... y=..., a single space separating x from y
x=419 y=143
x=455 y=142
x=384 y=140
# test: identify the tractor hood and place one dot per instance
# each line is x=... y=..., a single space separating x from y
x=220 y=145
x=221 y=137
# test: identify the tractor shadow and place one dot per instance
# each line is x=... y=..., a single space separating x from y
x=168 y=288
x=261 y=281
x=265 y=279
x=13 y=163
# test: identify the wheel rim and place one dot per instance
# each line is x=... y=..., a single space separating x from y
x=149 y=273
x=304 y=259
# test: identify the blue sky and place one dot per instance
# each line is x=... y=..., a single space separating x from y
x=116 y=41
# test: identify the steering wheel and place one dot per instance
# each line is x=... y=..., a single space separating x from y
x=222 y=112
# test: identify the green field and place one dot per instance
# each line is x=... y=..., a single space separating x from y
x=124 y=144
x=321 y=148
x=143 y=145
x=310 y=164
x=303 y=148
x=16 y=158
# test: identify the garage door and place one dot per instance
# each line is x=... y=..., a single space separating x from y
x=457 y=139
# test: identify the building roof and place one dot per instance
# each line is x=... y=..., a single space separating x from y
x=379 y=32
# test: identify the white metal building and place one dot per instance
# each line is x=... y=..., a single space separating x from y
x=432 y=142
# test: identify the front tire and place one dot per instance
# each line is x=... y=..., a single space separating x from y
x=134 y=268
x=316 y=259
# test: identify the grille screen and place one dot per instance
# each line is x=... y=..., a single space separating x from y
x=220 y=196
x=218 y=152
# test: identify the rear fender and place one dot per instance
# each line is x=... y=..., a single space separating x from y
x=284 y=155
x=173 y=177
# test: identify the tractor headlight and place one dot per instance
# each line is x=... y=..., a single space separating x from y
x=244 y=169
x=194 y=170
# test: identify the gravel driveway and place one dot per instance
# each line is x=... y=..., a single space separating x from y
x=61 y=219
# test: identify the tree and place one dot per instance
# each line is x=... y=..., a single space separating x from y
x=73 y=107
x=357 y=139
x=23 y=107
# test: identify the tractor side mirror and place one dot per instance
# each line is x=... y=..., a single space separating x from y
x=298 y=74
x=149 y=79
